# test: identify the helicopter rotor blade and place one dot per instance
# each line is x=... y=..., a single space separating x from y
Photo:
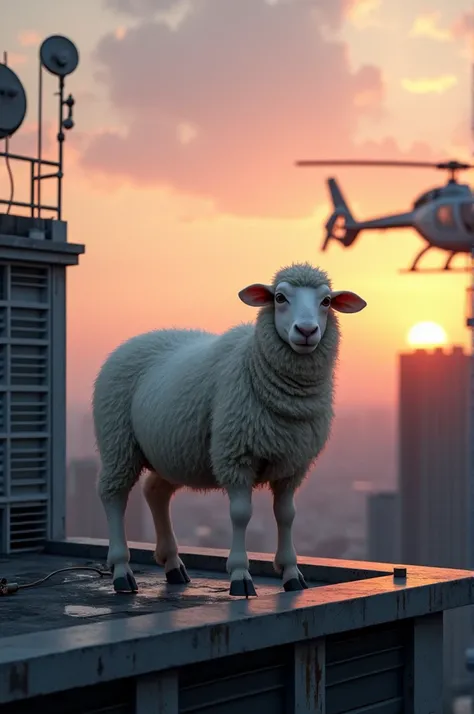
x=446 y=165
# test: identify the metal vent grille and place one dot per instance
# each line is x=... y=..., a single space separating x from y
x=3 y=415
x=28 y=466
x=366 y=669
x=28 y=283
x=2 y=467
x=3 y=322
x=28 y=526
x=26 y=376
x=117 y=697
x=254 y=682
x=3 y=282
x=28 y=323
x=28 y=412
x=29 y=365
x=3 y=363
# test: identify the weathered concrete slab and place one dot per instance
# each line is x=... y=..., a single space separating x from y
x=200 y=623
x=82 y=597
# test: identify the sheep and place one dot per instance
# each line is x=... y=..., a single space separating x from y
x=250 y=407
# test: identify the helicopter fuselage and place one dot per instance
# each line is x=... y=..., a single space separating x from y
x=444 y=217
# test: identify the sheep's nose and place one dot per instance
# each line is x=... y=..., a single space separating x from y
x=306 y=330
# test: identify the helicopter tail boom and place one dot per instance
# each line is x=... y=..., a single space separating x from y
x=341 y=225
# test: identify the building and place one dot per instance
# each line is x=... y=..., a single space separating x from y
x=34 y=255
x=433 y=477
x=383 y=542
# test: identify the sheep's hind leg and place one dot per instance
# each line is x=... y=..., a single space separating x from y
x=240 y=499
x=285 y=562
x=118 y=557
x=158 y=494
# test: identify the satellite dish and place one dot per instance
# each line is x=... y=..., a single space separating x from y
x=59 y=55
x=12 y=102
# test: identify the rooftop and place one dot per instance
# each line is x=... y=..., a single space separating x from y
x=84 y=597
x=75 y=623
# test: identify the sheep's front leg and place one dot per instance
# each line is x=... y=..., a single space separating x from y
x=240 y=500
x=285 y=562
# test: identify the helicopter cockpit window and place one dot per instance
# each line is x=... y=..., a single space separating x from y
x=467 y=215
x=445 y=217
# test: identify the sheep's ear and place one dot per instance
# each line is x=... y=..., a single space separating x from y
x=345 y=301
x=257 y=295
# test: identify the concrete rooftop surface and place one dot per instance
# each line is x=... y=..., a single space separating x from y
x=75 y=623
x=83 y=597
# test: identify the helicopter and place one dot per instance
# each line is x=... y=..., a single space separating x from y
x=443 y=216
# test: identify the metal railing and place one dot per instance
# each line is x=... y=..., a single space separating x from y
x=34 y=205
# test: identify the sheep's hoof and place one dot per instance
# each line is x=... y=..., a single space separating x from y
x=295 y=584
x=177 y=576
x=125 y=584
x=242 y=588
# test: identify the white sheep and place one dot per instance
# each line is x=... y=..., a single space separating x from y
x=249 y=407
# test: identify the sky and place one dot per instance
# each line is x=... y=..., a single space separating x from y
x=180 y=177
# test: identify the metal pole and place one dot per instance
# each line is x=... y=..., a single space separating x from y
x=61 y=142
x=7 y=140
x=470 y=325
x=40 y=140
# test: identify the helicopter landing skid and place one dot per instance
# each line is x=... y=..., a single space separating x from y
x=406 y=271
x=446 y=267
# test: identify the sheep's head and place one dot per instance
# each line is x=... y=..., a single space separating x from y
x=302 y=300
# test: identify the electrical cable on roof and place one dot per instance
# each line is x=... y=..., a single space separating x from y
x=7 y=588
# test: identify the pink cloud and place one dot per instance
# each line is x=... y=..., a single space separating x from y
x=463 y=27
x=29 y=38
x=255 y=86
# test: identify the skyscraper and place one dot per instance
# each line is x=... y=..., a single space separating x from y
x=433 y=476
x=433 y=457
x=383 y=542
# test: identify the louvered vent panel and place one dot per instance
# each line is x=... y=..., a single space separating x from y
x=28 y=284
x=29 y=412
x=117 y=697
x=365 y=670
x=29 y=365
x=28 y=526
x=254 y=682
x=3 y=282
x=3 y=415
x=3 y=452
x=28 y=466
x=3 y=321
x=3 y=365
x=28 y=323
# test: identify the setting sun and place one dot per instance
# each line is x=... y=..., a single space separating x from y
x=427 y=334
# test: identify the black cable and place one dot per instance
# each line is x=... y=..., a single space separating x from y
x=7 y=588
x=10 y=176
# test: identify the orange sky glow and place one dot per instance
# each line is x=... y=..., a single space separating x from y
x=180 y=176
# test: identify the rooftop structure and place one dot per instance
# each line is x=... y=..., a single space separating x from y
x=363 y=637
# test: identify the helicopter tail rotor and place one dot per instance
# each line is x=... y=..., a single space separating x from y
x=341 y=225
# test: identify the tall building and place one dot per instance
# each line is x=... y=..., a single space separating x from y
x=433 y=477
x=433 y=457
x=383 y=542
x=34 y=255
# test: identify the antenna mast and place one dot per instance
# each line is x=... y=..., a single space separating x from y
x=59 y=56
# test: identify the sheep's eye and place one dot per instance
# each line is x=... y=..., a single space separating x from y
x=280 y=298
x=326 y=302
